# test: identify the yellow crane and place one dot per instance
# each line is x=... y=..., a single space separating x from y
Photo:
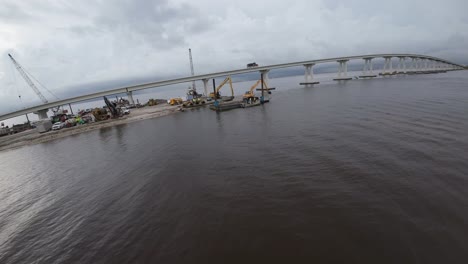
x=217 y=95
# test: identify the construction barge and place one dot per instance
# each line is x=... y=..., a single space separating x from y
x=249 y=99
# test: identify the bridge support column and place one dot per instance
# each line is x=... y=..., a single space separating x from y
x=42 y=114
x=401 y=65
x=130 y=97
x=265 y=89
x=309 y=75
x=388 y=67
x=265 y=76
x=412 y=66
x=425 y=65
x=205 y=86
x=404 y=64
x=367 y=71
x=439 y=66
x=342 y=71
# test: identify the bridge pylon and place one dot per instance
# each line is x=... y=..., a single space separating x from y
x=309 y=75
x=367 y=70
x=342 y=70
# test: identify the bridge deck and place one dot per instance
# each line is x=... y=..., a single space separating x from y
x=205 y=76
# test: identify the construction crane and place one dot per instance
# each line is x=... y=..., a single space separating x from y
x=191 y=68
x=28 y=80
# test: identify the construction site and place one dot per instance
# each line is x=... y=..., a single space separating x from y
x=65 y=122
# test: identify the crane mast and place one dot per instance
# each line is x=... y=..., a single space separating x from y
x=28 y=80
x=191 y=68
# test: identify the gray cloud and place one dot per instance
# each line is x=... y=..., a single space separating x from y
x=12 y=13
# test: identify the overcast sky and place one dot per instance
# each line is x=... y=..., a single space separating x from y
x=68 y=43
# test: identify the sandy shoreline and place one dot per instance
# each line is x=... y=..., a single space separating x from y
x=32 y=137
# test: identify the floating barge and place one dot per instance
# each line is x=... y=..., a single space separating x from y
x=225 y=106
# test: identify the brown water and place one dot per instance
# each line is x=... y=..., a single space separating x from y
x=370 y=171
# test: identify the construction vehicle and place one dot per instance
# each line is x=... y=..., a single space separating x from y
x=216 y=95
x=193 y=98
x=100 y=114
x=175 y=101
x=113 y=109
x=249 y=98
x=152 y=102
x=250 y=93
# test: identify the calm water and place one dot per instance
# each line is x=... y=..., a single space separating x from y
x=371 y=171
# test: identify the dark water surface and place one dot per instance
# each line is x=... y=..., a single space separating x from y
x=371 y=171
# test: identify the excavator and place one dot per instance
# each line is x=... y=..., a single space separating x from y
x=175 y=101
x=217 y=95
x=249 y=98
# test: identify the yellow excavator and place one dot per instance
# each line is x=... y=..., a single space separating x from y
x=217 y=95
x=175 y=101
x=249 y=98
x=250 y=93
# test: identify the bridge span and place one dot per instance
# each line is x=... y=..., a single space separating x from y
x=417 y=64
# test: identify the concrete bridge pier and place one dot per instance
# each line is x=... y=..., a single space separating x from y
x=412 y=66
x=309 y=75
x=367 y=71
x=42 y=114
x=264 y=73
x=130 y=97
x=401 y=65
x=205 y=85
x=342 y=71
x=422 y=64
x=388 y=67
x=265 y=89
x=440 y=66
x=418 y=64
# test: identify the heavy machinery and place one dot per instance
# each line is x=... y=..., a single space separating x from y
x=112 y=108
x=193 y=98
x=175 y=101
x=100 y=114
x=152 y=102
x=250 y=94
x=249 y=98
x=216 y=95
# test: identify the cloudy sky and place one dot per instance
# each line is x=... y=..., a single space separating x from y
x=66 y=44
